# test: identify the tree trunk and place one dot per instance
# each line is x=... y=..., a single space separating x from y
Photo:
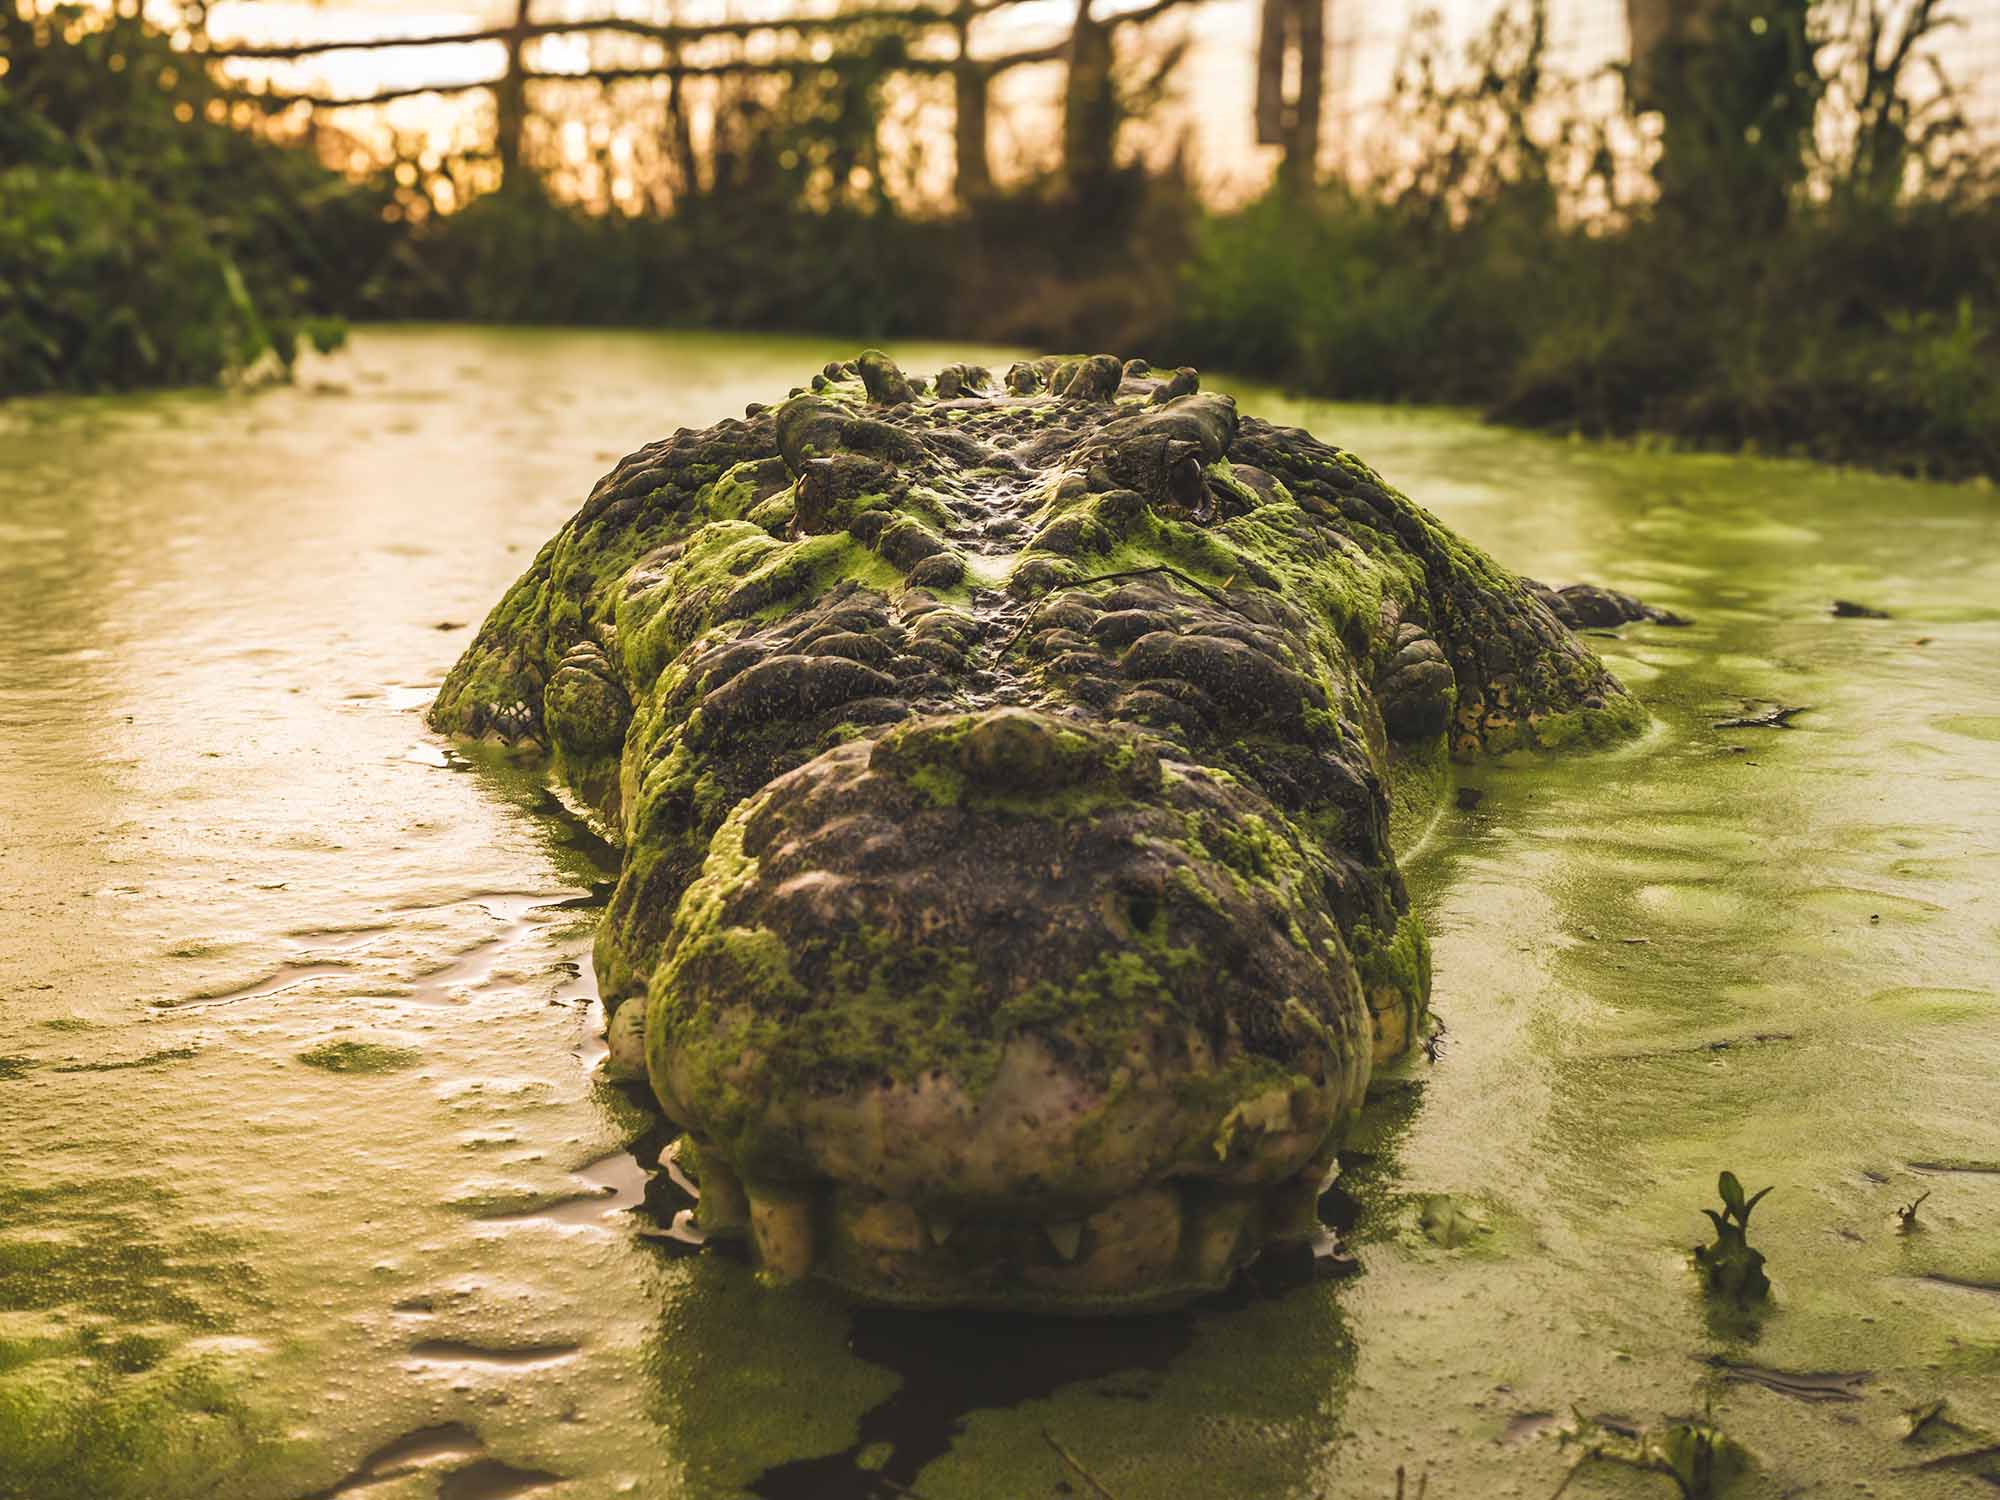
x=1301 y=167
x=511 y=99
x=1292 y=30
x=973 y=167
x=680 y=143
x=1090 y=105
x=1271 y=73
x=1738 y=90
x=1657 y=28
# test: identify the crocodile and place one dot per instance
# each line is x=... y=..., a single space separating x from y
x=1006 y=773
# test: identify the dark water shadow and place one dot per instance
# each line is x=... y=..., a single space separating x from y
x=576 y=846
x=954 y=1364
x=490 y=1479
x=1272 y=1360
x=455 y=1452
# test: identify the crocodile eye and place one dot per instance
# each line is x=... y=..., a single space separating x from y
x=830 y=490
x=814 y=497
x=1186 y=483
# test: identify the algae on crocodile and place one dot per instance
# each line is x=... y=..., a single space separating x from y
x=897 y=841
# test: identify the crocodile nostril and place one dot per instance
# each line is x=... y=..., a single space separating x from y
x=1143 y=909
x=1132 y=911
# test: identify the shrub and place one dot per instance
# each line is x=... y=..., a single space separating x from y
x=143 y=240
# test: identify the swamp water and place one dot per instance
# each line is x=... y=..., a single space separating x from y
x=307 y=1187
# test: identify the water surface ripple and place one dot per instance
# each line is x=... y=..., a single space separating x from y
x=308 y=1188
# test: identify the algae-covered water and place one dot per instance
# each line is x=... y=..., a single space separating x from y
x=307 y=1187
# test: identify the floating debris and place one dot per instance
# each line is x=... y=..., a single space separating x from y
x=1917 y=1418
x=1808 y=1385
x=460 y=1354
x=1779 y=717
x=1956 y=1164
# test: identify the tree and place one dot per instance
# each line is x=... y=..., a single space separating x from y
x=510 y=98
x=1090 y=106
x=972 y=167
x=1738 y=88
x=1292 y=30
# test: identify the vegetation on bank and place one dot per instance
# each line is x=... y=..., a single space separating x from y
x=1811 y=265
x=144 y=238
x=1796 y=248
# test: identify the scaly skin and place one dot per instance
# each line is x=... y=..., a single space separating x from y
x=1004 y=772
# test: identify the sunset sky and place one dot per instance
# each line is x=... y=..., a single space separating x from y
x=1216 y=83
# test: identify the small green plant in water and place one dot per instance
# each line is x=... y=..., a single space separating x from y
x=1446 y=1222
x=358 y=1057
x=1731 y=1266
x=1696 y=1454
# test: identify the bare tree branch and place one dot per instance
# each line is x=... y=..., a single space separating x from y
x=775 y=68
x=677 y=35
x=921 y=17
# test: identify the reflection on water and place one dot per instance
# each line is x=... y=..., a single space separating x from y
x=308 y=1188
x=949 y=1366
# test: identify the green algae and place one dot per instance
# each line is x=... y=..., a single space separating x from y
x=1578 y=1087
x=1395 y=971
x=114 y=1377
x=168 y=1429
x=988 y=764
x=359 y=1057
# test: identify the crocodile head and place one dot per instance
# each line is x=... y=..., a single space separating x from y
x=1006 y=773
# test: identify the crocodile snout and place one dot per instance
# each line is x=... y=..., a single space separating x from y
x=1019 y=974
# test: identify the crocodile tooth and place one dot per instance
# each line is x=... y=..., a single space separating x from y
x=1067 y=1237
x=781 y=1230
x=940 y=1229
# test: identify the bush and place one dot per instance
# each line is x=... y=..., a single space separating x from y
x=142 y=240
x=514 y=257
x=104 y=287
x=1858 y=328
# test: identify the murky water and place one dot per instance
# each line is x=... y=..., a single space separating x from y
x=307 y=1189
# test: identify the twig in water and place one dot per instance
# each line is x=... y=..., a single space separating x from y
x=1775 y=718
x=1070 y=1458
x=1921 y=1416
x=1434 y=1046
x=1952 y=1460
x=1955 y=1166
